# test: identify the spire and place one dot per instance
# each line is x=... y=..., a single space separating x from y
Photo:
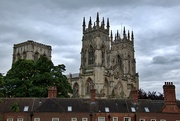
x=117 y=34
x=90 y=23
x=102 y=24
x=124 y=33
x=111 y=36
x=97 y=19
x=84 y=25
x=108 y=23
x=132 y=37
x=128 y=35
x=94 y=26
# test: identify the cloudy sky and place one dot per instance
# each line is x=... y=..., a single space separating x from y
x=156 y=26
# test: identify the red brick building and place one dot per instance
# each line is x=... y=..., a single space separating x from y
x=58 y=109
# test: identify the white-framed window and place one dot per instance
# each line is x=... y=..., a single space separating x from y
x=69 y=108
x=36 y=119
x=115 y=118
x=101 y=118
x=153 y=119
x=73 y=119
x=146 y=109
x=133 y=109
x=84 y=119
x=141 y=119
x=20 y=119
x=127 y=119
x=106 y=109
x=9 y=119
x=26 y=108
x=55 y=119
x=162 y=119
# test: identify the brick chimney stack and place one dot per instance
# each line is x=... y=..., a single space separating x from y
x=170 y=98
x=169 y=93
x=52 y=92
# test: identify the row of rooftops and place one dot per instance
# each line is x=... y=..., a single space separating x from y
x=54 y=104
x=81 y=105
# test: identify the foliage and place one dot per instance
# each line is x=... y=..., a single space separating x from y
x=29 y=78
x=150 y=95
x=1 y=85
x=15 y=107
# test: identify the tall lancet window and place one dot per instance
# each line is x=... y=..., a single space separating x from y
x=119 y=61
x=89 y=85
x=129 y=63
x=103 y=55
x=91 y=56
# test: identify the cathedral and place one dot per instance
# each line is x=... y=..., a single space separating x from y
x=107 y=64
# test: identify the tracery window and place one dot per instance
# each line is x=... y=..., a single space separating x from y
x=89 y=85
x=119 y=63
x=91 y=56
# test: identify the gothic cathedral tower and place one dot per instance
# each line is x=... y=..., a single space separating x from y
x=107 y=63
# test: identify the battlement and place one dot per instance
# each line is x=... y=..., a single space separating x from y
x=31 y=42
x=125 y=37
x=96 y=25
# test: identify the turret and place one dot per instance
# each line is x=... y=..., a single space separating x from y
x=111 y=36
x=84 y=25
x=108 y=26
x=132 y=37
x=128 y=35
x=124 y=33
x=90 y=24
x=97 y=20
x=102 y=24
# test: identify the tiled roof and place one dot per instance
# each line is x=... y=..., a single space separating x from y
x=81 y=105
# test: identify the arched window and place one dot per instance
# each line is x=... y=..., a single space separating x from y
x=129 y=63
x=119 y=63
x=103 y=55
x=76 y=90
x=91 y=56
x=89 y=85
x=106 y=87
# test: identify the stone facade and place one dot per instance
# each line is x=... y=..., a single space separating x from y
x=107 y=63
x=30 y=50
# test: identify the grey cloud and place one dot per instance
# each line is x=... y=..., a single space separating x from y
x=164 y=60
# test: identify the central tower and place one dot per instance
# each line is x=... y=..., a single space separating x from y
x=107 y=64
x=94 y=55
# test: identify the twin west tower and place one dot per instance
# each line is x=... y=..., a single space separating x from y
x=107 y=63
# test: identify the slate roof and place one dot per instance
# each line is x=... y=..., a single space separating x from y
x=80 y=105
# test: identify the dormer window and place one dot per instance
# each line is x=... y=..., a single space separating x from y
x=26 y=108
x=146 y=109
x=69 y=108
x=106 y=109
x=133 y=109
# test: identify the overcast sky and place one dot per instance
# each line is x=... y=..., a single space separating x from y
x=156 y=26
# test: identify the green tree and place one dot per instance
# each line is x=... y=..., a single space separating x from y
x=150 y=95
x=29 y=78
x=1 y=85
